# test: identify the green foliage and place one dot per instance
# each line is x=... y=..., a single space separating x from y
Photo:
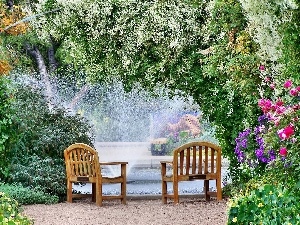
x=26 y=195
x=138 y=41
x=6 y=127
x=267 y=204
x=44 y=172
x=291 y=41
x=36 y=157
x=10 y=212
x=228 y=90
x=164 y=42
x=227 y=15
x=46 y=132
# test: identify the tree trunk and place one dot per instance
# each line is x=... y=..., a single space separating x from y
x=42 y=69
x=51 y=57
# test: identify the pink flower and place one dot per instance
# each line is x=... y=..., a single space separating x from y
x=296 y=107
x=280 y=110
x=294 y=92
x=275 y=119
x=283 y=151
x=272 y=86
x=298 y=88
x=286 y=132
x=288 y=84
x=265 y=105
x=279 y=102
x=262 y=68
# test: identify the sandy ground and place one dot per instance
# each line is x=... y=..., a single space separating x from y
x=135 y=212
x=141 y=211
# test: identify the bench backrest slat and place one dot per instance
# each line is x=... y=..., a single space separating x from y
x=197 y=158
x=206 y=160
x=194 y=163
x=82 y=161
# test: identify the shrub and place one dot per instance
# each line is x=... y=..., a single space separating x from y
x=273 y=146
x=10 y=212
x=50 y=177
x=36 y=154
x=47 y=173
x=26 y=196
x=43 y=130
x=6 y=128
x=268 y=157
x=268 y=204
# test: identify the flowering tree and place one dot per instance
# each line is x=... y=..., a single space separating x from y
x=201 y=48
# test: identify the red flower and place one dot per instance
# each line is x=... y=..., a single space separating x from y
x=279 y=102
x=286 y=133
x=294 y=92
x=283 y=151
x=288 y=84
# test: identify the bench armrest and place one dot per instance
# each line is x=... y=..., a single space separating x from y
x=164 y=167
x=112 y=163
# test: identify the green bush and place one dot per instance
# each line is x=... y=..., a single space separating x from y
x=46 y=131
x=267 y=204
x=26 y=196
x=47 y=173
x=10 y=212
x=6 y=127
x=36 y=153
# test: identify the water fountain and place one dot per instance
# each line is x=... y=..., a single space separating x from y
x=125 y=123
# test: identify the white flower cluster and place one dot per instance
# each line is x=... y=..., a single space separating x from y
x=264 y=21
x=122 y=29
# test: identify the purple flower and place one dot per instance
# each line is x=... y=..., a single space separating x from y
x=288 y=164
x=259 y=153
x=241 y=143
x=244 y=143
x=272 y=155
x=239 y=154
x=263 y=119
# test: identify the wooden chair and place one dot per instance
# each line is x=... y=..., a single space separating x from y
x=82 y=165
x=193 y=161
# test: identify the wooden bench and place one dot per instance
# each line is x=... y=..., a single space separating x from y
x=193 y=161
x=82 y=165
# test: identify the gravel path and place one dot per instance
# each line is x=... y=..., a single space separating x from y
x=135 y=212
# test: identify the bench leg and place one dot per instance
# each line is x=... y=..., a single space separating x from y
x=219 y=189
x=175 y=192
x=98 y=187
x=163 y=183
x=206 y=190
x=94 y=192
x=69 y=192
x=164 y=192
x=123 y=184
